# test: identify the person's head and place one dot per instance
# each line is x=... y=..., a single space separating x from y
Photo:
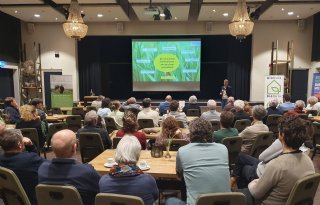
x=211 y=104
x=192 y=99
x=168 y=98
x=273 y=103
x=115 y=105
x=100 y=98
x=128 y=150
x=258 y=112
x=169 y=127
x=130 y=123
x=10 y=101
x=238 y=105
x=226 y=82
x=146 y=102
x=37 y=103
x=312 y=100
x=64 y=143
x=201 y=131
x=230 y=100
x=286 y=97
x=132 y=100
x=300 y=104
x=91 y=118
x=226 y=119
x=27 y=112
x=293 y=131
x=105 y=103
x=11 y=140
x=174 y=105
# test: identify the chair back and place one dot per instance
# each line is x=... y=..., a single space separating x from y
x=78 y=111
x=180 y=124
x=74 y=122
x=110 y=124
x=53 y=128
x=56 y=194
x=215 y=124
x=303 y=116
x=90 y=146
x=117 y=199
x=177 y=143
x=145 y=123
x=242 y=124
x=115 y=142
x=234 y=148
x=89 y=108
x=262 y=142
x=32 y=134
x=316 y=137
x=272 y=122
x=304 y=190
x=193 y=112
x=312 y=112
x=56 y=111
x=223 y=198
x=11 y=188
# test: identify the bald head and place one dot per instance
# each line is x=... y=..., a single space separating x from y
x=168 y=98
x=64 y=144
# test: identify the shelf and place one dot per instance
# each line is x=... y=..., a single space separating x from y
x=31 y=88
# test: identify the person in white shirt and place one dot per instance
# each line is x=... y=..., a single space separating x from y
x=148 y=113
x=313 y=103
x=211 y=114
x=116 y=114
x=97 y=103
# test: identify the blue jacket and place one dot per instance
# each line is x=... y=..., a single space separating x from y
x=13 y=114
x=163 y=107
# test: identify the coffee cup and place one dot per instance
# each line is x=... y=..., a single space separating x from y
x=143 y=164
x=110 y=161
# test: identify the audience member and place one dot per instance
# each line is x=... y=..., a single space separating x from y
x=165 y=106
x=299 y=106
x=38 y=104
x=148 y=113
x=250 y=133
x=11 y=109
x=203 y=164
x=229 y=106
x=130 y=126
x=225 y=92
x=192 y=104
x=286 y=105
x=24 y=164
x=90 y=121
x=97 y=103
x=226 y=120
x=126 y=177
x=239 y=113
x=65 y=170
x=180 y=116
x=211 y=114
x=247 y=108
x=313 y=103
x=30 y=119
x=131 y=105
x=104 y=111
x=116 y=114
x=272 y=109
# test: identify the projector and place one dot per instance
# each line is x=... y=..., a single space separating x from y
x=150 y=11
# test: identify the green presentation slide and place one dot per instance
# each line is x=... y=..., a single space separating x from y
x=166 y=60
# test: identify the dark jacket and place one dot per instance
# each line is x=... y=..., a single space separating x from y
x=228 y=90
x=13 y=114
x=103 y=134
x=191 y=106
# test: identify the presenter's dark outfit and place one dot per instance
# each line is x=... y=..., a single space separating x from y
x=225 y=93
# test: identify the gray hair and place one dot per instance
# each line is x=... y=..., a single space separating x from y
x=230 y=99
x=312 y=100
x=193 y=99
x=239 y=104
x=273 y=103
x=91 y=118
x=128 y=150
x=259 y=112
x=211 y=104
x=300 y=104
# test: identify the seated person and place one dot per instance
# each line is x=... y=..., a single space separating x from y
x=131 y=104
x=11 y=109
x=230 y=104
x=130 y=126
x=250 y=133
x=313 y=103
x=98 y=102
x=180 y=116
x=126 y=177
x=38 y=104
x=164 y=106
x=211 y=114
x=24 y=164
x=272 y=109
x=90 y=121
x=65 y=170
x=247 y=108
x=286 y=105
x=192 y=104
x=226 y=120
x=280 y=174
x=116 y=114
x=239 y=113
x=104 y=110
x=299 y=106
x=148 y=113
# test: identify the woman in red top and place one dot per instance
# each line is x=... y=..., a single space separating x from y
x=130 y=126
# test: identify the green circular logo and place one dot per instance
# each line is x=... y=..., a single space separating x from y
x=166 y=62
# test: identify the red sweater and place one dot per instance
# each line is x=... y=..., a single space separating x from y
x=139 y=135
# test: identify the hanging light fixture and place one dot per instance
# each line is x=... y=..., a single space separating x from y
x=241 y=25
x=75 y=27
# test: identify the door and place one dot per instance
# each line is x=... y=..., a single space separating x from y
x=299 y=84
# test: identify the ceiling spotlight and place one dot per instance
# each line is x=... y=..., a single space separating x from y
x=225 y=14
x=282 y=9
x=37 y=15
x=214 y=10
x=290 y=13
x=167 y=14
x=56 y=19
x=162 y=15
x=15 y=11
x=99 y=15
x=176 y=18
x=298 y=16
x=116 y=18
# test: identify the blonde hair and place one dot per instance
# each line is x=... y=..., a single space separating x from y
x=27 y=112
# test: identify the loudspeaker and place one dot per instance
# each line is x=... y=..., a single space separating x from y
x=301 y=25
x=120 y=27
x=209 y=27
x=31 y=28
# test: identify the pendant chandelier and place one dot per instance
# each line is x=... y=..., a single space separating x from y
x=241 y=25
x=75 y=27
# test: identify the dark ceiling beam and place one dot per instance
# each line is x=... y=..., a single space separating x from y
x=262 y=8
x=128 y=10
x=57 y=7
x=194 y=10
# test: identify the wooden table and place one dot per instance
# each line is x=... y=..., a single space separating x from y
x=315 y=118
x=57 y=118
x=159 y=167
x=190 y=118
x=157 y=134
x=10 y=126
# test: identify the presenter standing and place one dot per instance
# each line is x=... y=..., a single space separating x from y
x=225 y=92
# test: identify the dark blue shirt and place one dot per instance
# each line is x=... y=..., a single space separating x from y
x=13 y=114
x=163 y=107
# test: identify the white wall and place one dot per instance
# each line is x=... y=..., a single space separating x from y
x=52 y=38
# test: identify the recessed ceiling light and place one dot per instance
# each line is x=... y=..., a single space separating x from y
x=298 y=16
x=290 y=13
x=162 y=15
x=116 y=18
x=56 y=19
x=99 y=15
x=282 y=9
x=37 y=15
x=214 y=10
x=15 y=11
x=175 y=18
x=81 y=11
x=225 y=14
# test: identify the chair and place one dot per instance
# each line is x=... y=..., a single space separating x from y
x=90 y=146
x=145 y=123
x=32 y=134
x=234 y=148
x=242 y=124
x=74 y=122
x=115 y=142
x=312 y=112
x=56 y=111
x=11 y=188
x=53 y=128
x=78 y=111
x=304 y=190
x=89 y=108
x=215 y=125
x=180 y=124
x=110 y=124
x=303 y=116
x=193 y=112
x=228 y=198
x=315 y=138
x=117 y=199
x=262 y=142
x=177 y=143
x=56 y=194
